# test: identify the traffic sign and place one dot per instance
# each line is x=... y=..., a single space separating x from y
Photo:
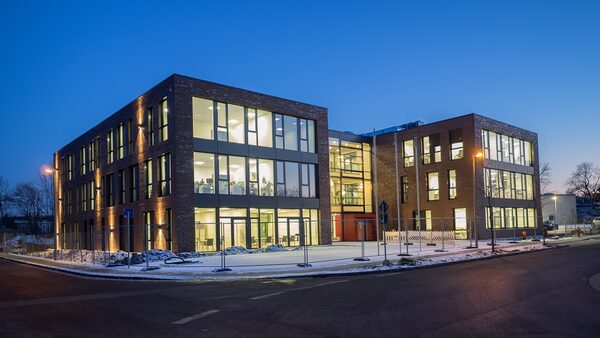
x=128 y=213
x=383 y=218
x=383 y=207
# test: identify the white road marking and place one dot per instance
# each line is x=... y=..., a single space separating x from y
x=282 y=281
x=194 y=317
x=267 y=295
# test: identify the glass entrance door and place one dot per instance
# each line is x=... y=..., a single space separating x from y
x=233 y=231
x=289 y=231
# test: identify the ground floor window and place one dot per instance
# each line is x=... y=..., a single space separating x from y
x=460 y=223
x=217 y=228
x=503 y=218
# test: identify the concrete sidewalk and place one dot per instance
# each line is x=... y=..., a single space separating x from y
x=199 y=271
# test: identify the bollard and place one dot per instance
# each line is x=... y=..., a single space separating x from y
x=362 y=258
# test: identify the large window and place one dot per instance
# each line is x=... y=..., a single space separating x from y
x=452 y=184
x=350 y=175
x=121 y=141
x=121 y=186
x=203 y=118
x=433 y=186
x=205 y=232
x=509 y=185
x=109 y=189
x=456 y=144
x=460 y=222
x=510 y=217
x=164 y=175
x=163 y=120
x=408 y=153
x=204 y=173
x=504 y=148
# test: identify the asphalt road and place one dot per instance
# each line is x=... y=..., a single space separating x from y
x=543 y=293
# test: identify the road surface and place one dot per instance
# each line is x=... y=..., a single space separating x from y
x=543 y=293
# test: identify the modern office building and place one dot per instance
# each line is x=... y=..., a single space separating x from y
x=449 y=156
x=197 y=161
x=204 y=166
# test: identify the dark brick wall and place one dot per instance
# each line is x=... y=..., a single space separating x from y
x=471 y=127
x=179 y=91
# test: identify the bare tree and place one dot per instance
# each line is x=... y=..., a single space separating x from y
x=585 y=181
x=27 y=201
x=46 y=196
x=545 y=173
x=5 y=198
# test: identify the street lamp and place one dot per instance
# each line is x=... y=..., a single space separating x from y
x=554 y=199
x=478 y=154
x=47 y=170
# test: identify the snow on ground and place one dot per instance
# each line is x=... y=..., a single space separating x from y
x=277 y=261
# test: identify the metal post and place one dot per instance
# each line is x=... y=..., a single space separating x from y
x=362 y=258
x=397 y=192
x=443 y=238
x=146 y=245
x=222 y=241
x=128 y=242
x=474 y=223
x=376 y=190
x=93 y=244
x=415 y=140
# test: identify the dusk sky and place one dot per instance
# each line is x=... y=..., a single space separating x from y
x=64 y=67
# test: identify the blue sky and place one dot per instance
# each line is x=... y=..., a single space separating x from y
x=66 y=66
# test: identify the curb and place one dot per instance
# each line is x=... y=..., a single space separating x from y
x=395 y=268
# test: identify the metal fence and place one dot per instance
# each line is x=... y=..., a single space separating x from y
x=239 y=243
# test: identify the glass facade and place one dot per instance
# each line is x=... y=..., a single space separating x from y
x=239 y=175
x=508 y=149
x=508 y=185
x=350 y=176
x=217 y=228
x=245 y=125
x=510 y=217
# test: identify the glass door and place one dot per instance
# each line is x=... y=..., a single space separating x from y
x=294 y=231
x=239 y=232
x=225 y=223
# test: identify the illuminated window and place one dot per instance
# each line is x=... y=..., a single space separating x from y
x=109 y=190
x=121 y=141
x=204 y=173
x=265 y=128
x=203 y=118
x=163 y=120
x=92 y=154
x=433 y=186
x=452 y=184
x=235 y=123
x=408 y=153
x=431 y=149
x=232 y=175
x=92 y=192
x=456 y=144
x=507 y=149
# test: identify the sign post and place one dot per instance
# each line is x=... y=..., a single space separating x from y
x=383 y=208
x=128 y=214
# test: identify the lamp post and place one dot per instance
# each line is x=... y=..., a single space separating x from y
x=554 y=198
x=478 y=154
x=47 y=171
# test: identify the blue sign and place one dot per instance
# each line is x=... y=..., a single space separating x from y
x=128 y=213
